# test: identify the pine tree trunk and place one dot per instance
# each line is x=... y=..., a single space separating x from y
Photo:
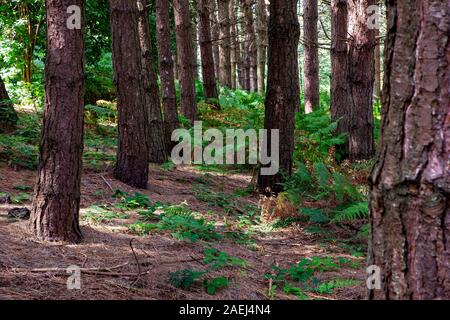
x=209 y=79
x=186 y=59
x=215 y=35
x=157 y=144
x=225 y=43
x=282 y=97
x=8 y=116
x=377 y=85
x=340 y=94
x=261 y=13
x=361 y=73
x=311 y=59
x=166 y=70
x=251 y=47
x=132 y=154
x=410 y=183
x=233 y=43
x=56 y=203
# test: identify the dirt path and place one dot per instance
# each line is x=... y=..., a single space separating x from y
x=121 y=265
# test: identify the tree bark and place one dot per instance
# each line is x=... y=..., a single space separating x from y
x=166 y=70
x=8 y=116
x=361 y=73
x=56 y=203
x=233 y=44
x=206 y=48
x=261 y=13
x=186 y=59
x=215 y=35
x=377 y=85
x=311 y=58
x=282 y=97
x=133 y=145
x=157 y=152
x=410 y=182
x=340 y=101
x=225 y=43
x=250 y=47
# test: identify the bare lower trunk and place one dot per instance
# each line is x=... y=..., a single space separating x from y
x=215 y=35
x=166 y=72
x=234 y=44
x=209 y=81
x=186 y=60
x=225 y=43
x=251 y=50
x=157 y=151
x=311 y=59
x=261 y=12
x=282 y=98
x=132 y=154
x=410 y=183
x=56 y=203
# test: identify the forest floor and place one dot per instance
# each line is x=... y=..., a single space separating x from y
x=120 y=261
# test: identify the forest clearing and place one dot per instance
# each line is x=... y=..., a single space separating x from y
x=224 y=150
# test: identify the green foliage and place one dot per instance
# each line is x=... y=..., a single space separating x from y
x=16 y=151
x=100 y=214
x=99 y=80
x=330 y=286
x=314 y=136
x=215 y=284
x=354 y=211
x=23 y=187
x=219 y=259
x=184 y=278
x=130 y=202
x=217 y=199
x=21 y=198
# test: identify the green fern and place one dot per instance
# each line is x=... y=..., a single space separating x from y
x=358 y=210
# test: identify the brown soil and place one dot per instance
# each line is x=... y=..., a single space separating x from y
x=121 y=265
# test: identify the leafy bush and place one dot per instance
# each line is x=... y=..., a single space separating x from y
x=16 y=151
x=215 y=284
x=184 y=278
x=219 y=259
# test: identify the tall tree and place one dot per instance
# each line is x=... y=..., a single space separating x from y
x=186 y=59
x=233 y=44
x=251 y=50
x=377 y=85
x=132 y=154
x=206 y=48
x=340 y=102
x=8 y=116
x=311 y=55
x=215 y=35
x=282 y=97
x=56 y=203
x=157 y=152
x=410 y=182
x=261 y=13
x=225 y=43
x=166 y=70
x=361 y=77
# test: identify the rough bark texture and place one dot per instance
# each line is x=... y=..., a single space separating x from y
x=186 y=59
x=56 y=203
x=251 y=50
x=215 y=34
x=410 y=183
x=282 y=98
x=8 y=116
x=225 y=43
x=209 y=79
x=377 y=84
x=311 y=55
x=132 y=154
x=340 y=95
x=234 y=44
x=261 y=25
x=157 y=151
x=361 y=77
x=166 y=70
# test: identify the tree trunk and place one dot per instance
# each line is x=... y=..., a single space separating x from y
x=233 y=44
x=311 y=58
x=132 y=154
x=340 y=94
x=215 y=35
x=282 y=97
x=8 y=116
x=250 y=46
x=186 y=59
x=361 y=73
x=410 y=182
x=225 y=43
x=209 y=79
x=261 y=13
x=157 y=144
x=377 y=85
x=166 y=70
x=56 y=203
